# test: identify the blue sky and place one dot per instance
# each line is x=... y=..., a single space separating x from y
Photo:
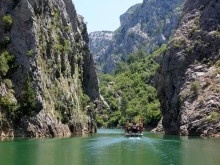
x=103 y=14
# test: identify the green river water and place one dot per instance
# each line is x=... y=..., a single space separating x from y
x=110 y=147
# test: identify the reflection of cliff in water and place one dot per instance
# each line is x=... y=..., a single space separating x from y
x=111 y=147
x=203 y=151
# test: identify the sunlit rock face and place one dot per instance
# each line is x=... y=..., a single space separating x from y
x=49 y=42
x=144 y=26
x=99 y=40
x=188 y=80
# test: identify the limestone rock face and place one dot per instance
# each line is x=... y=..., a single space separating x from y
x=188 y=80
x=124 y=18
x=99 y=40
x=144 y=26
x=49 y=42
x=159 y=127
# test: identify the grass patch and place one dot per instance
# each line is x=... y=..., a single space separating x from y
x=195 y=87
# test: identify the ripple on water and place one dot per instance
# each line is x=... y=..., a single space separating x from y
x=111 y=147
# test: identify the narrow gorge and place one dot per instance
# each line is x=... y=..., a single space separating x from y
x=144 y=26
x=184 y=71
x=109 y=82
x=162 y=65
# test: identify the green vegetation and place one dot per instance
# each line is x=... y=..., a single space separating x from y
x=184 y=95
x=10 y=105
x=7 y=40
x=176 y=45
x=29 y=103
x=201 y=101
x=217 y=64
x=3 y=66
x=7 y=20
x=30 y=53
x=202 y=7
x=84 y=100
x=56 y=14
x=67 y=46
x=214 y=117
x=215 y=73
x=190 y=49
x=129 y=91
x=195 y=87
x=5 y=60
x=8 y=83
x=196 y=20
x=67 y=28
x=12 y=108
x=193 y=30
x=59 y=48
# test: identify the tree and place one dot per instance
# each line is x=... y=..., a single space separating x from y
x=121 y=67
x=28 y=104
x=5 y=59
x=132 y=81
x=132 y=58
x=7 y=20
x=3 y=66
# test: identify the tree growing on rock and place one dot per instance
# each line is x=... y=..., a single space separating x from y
x=29 y=103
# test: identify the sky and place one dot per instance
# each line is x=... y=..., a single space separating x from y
x=103 y=14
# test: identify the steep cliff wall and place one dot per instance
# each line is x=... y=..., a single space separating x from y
x=144 y=26
x=189 y=75
x=51 y=71
x=124 y=18
x=99 y=40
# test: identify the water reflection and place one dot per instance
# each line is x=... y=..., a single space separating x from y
x=202 y=151
x=2 y=139
x=110 y=147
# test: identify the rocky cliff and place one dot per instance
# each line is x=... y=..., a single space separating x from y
x=124 y=18
x=189 y=74
x=144 y=26
x=47 y=73
x=99 y=40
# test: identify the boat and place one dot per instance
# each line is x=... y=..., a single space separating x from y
x=134 y=129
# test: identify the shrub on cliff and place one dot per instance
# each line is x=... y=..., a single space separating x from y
x=7 y=21
x=217 y=64
x=3 y=66
x=215 y=116
x=28 y=104
x=195 y=87
x=8 y=83
x=10 y=105
x=5 y=59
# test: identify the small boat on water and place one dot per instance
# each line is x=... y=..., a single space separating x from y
x=134 y=129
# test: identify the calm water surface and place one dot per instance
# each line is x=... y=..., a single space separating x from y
x=110 y=147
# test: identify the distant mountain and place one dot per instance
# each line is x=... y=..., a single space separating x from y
x=144 y=26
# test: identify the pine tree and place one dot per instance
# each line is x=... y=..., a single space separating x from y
x=28 y=105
